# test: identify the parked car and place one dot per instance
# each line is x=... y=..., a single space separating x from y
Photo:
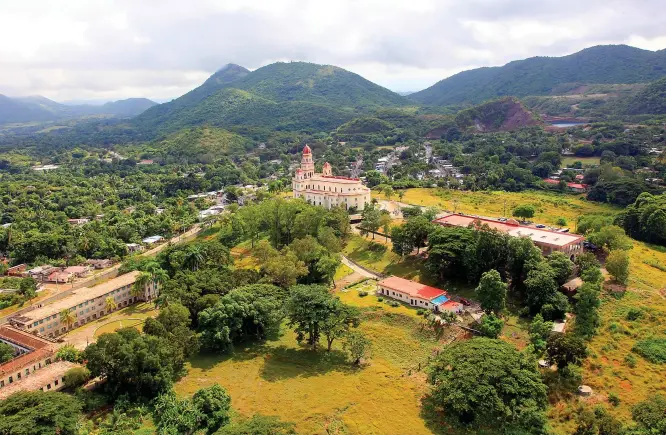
x=465 y=301
x=564 y=230
x=540 y=226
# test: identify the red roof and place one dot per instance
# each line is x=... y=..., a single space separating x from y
x=551 y=181
x=570 y=185
x=307 y=150
x=412 y=288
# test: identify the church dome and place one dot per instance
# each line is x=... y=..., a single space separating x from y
x=307 y=150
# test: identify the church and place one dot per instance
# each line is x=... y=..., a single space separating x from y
x=325 y=189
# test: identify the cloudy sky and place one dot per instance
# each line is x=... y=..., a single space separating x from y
x=160 y=49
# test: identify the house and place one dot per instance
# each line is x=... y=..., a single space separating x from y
x=45 y=168
x=50 y=378
x=99 y=263
x=18 y=270
x=417 y=294
x=86 y=304
x=41 y=273
x=134 y=247
x=145 y=162
x=574 y=187
x=31 y=354
x=77 y=271
x=152 y=240
x=60 y=277
x=77 y=222
x=546 y=240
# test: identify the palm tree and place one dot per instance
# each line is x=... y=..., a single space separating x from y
x=401 y=194
x=160 y=276
x=110 y=304
x=139 y=287
x=68 y=317
x=193 y=258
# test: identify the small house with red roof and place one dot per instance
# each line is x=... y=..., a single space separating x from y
x=574 y=187
x=417 y=294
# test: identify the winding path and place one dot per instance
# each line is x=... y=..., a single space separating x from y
x=359 y=269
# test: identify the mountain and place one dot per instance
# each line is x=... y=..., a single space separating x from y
x=505 y=114
x=650 y=100
x=287 y=96
x=604 y=64
x=36 y=108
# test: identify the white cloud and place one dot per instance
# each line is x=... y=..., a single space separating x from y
x=73 y=49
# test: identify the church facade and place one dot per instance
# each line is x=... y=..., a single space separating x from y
x=325 y=189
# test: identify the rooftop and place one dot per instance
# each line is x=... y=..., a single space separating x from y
x=335 y=179
x=412 y=288
x=22 y=338
x=537 y=235
x=38 y=379
x=78 y=296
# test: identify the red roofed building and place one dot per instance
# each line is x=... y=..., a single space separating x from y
x=417 y=294
x=326 y=189
x=574 y=187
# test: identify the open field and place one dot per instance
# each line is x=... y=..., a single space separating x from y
x=321 y=392
x=549 y=205
x=569 y=160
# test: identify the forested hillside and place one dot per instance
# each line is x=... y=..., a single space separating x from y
x=548 y=75
x=650 y=100
x=284 y=96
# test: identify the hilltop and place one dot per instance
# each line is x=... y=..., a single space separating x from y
x=286 y=96
x=609 y=64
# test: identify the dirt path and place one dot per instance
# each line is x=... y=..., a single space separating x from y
x=359 y=269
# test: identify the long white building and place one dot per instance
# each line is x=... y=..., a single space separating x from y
x=325 y=189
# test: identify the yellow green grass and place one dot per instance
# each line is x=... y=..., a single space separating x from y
x=322 y=393
x=377 y=255
x=351 y=296
x=119 y=324
x=549 y=205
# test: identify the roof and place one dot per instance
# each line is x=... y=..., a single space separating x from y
x=22 y=338
x=18 y=363
x=335 y=179
x=307 y=150
x=537 y=235
x=451 y=304
x=38 y=379
x=152 y=239
x=571 y=185
x=412 y=288
x=75 y=269
x=78 y=296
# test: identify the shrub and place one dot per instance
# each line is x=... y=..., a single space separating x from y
x=634 y=314
x=420 y=311
x=613 y=399
x=362 y=293
x=76 y=377
x=380 y=299
x=630 y=360
x=652 y=349
x=394 y=304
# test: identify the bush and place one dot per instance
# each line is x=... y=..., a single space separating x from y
x=380 y=299
x=76 y=377
x=420 y=312
x=652 y=349
x=394 y=304
x=362 y=293
x=630 y=360
x=634 y=314
x=613 y=399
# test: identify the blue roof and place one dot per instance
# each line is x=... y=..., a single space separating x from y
x=439 y=300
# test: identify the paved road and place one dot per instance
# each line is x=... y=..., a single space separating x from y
x=359 y=269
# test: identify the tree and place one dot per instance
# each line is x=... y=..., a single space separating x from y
x=565 y=349
x=7 y=352
x=175 y=417
x=214 y=404
x=139 y=287
x=110 y=304
x=597 y=422
x=611 y=238
x=401 y=194
x=141 y=366
x=357 y=345
x=385 y=224
x=562 y=222
x=540 y=286
x=561 y=265
x=240 y=315
x=388 y=192
x=586 y=309
x=194 y=257
x=617 y=264
x=491 y=326
x=539 y=331
x=370 y=220
x=39 y=413
x=483 y=382
x=650 y=415
x=76 y=377
x=68 y=317
x=586 y=260
x=491 y=292
x=339 y=320
x=416 y=230
x=285 y=268
x=259 y=425
x=327 y=266
x=524 y=211
x=69 y=353
x=523 y=256
x=308 y=307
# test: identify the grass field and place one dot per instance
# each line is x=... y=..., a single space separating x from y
x=569 y=160
x=549 y=205
x=322 y=393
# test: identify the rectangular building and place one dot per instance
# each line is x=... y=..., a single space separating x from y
x=32 y=353
x=417 y=294
x=546 y=240
x=86 y=303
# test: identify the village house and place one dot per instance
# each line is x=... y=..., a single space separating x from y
x=86 y=303
x=325 y=189
x=152 y=240
x=77 y=271
x=417 y=294
x=547 y=240
x=78 y=222
x=99 y=263
x=573 y=187
x=60 y=277
x=134 y=247
x=18 y=271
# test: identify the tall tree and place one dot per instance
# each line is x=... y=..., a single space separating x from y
x=586 y=310
x=491 y=292
x=40 y=413
x=339 y=320
x=308 y=307
x=617 y=264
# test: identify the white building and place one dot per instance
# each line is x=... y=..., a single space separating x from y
x=325 y=189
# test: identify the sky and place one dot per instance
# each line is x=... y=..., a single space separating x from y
x=160 y=49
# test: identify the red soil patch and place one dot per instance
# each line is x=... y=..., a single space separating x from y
x=625 y=385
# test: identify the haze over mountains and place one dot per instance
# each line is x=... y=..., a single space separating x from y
x=37 y=108
x=306 y=96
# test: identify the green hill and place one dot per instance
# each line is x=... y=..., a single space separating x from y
x=650 y=100
x=548 y=75
x=285 y=96
x=499 y=115
x=15 y=111
x=364 y=125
